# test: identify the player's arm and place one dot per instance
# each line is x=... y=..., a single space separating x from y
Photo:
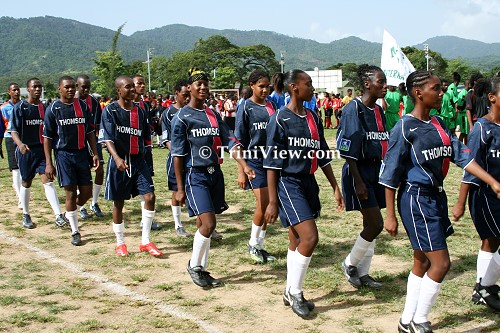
x=475 y=169
x=23 y=148
x=120 y=162
x=361 y=190
x=272 y=187
x=391 y=223
x=459 y=208
x=327 y=170
x=50 y=171
x=179 y=176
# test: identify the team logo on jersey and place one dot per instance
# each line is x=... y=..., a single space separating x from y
x=34 y=122
x=71 y=121
x=260 y=125
x=381 y=136
x=207 y=131
x=345 y=144
x=495 y=153
x=129 y=130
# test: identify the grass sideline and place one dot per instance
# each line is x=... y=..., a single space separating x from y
x=35 y=295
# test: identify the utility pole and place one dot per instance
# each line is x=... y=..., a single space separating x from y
x=427 y=56
x=282 y=61
x=149 y=54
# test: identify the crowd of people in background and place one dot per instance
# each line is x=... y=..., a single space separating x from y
x=394 y=139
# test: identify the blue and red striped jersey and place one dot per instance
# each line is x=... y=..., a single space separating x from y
x=27 y=121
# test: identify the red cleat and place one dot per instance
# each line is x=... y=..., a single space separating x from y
x=121 y=250
x=151 y=248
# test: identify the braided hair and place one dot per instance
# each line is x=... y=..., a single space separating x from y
x=256 y=75
x=367 y=72
x=417 y=79
x=196 y=74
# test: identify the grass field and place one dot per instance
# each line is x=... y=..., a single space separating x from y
x=48 y=285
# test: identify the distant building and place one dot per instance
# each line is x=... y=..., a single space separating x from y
x=329 y=81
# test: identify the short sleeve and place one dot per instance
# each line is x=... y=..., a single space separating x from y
x=241 y=130
x=275 y=143
x=179 y=145
x=392 y=168
x=15 y=124
x=323 y=145
x=165 y=127
x=477 y=150
x=350 y=133
x=106 y=131
x=49 y=123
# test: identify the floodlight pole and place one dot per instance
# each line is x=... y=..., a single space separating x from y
x=148 y=53
x=427 y=56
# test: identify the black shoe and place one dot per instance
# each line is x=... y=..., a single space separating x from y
x=403 y=328
x=76 y=238
x=267 y=256
x=489 y=295
x=368 y=281
x=351 y=273
x=211 y=281
x=298 y=305
x=286 y=301
x=96 y=210
x=216 y=236
x=84 y=214
x=420 y=328
x=27 y=223
x=198 y=276
x=61 y=221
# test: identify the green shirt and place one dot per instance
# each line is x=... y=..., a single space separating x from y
x=453 y=92
x=392 y=98
x=447 y=109
x=408 y=104
x=461 y=99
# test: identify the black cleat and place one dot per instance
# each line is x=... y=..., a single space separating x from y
x=96 y=210
x=76 y=238
x=420 y=328
x=61 y=221
x=216 y=236
x=403 y=328
x=298 y=306
x=84 y=214
x=27 y=223
x=287 y=301
x=489 y=296
x=368 y=281
x=198 y=276
x=211 y=281
x=351 y=273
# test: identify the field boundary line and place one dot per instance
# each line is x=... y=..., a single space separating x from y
x=106 y=283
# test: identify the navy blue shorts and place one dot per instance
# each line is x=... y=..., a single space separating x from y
x=205 y=191
x=31 y=163
x=148 y=156
x=424 y=213
x=72 y=167
x=376 y=192
x=260 y=180
x=172 y=181
x=11 y=147
x=484 y=209
x=123 y=185
x=299 y=198
x=99 y=153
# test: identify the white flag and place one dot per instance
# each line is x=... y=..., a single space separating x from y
x=394 y=62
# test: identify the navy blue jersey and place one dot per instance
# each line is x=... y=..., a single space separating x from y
x=420 y=153
x=68 y=124
x=484 y=143
x=296 y=144
x=27 y=121
x=251 y=122
x=362 y=133
x=129 y=130
x=94 y=108
x=200 y=136
x=166 y=123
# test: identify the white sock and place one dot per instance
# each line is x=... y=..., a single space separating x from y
x=262 y=237
x=143 y=202
x=483 y=260
x=254 y=235
x=365 y=263
x=358 y=252
x=96 y=190
x=16 y=181
x=412 y=294
x=176 y=213
x=51 y=195
x=200 y=244
x=204 y=259
x=300 y=265
x=289 y=268
x=73 y=220
x=429 y=291
x=24 y=197
x=493 y=272
x=119 y=230
x=146 y=221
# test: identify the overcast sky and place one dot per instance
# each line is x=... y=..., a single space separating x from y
x=410 y=22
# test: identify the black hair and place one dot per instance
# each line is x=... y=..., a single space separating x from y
x=64 y=78
x=456 y=77
x=482 y=87
x=402 y=88
x=278 y=83
x=474 y=77
x=366 y=72
x=83 y=77
x=290 y=77
x=136 y=75
x=196 y=74
x=179 y=84
x=417 y=79
x=12 y=84
x=32 y=79
x=444 y=80
x=494 y=85
x=256 y=75
x=247 y=93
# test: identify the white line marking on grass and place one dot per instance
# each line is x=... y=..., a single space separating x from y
x=114 y=287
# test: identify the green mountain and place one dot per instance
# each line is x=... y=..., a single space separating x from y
x=43 y=45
